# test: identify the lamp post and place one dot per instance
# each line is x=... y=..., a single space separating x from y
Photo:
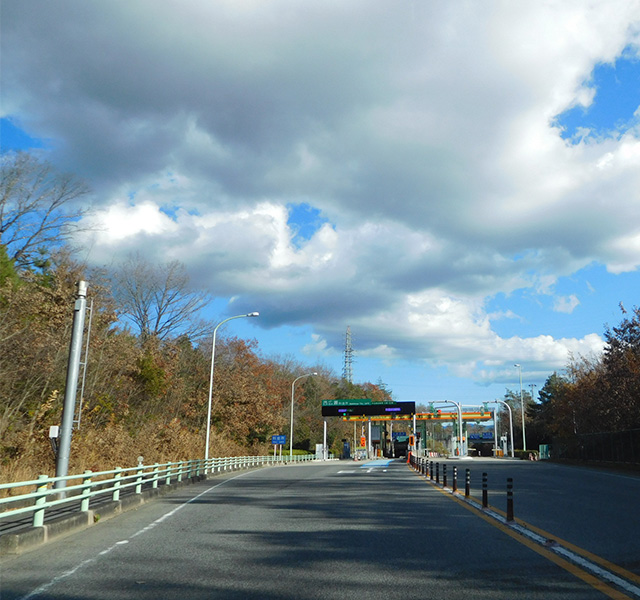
x=213 y=354
x=461 y=446
x=291 y=427
x=510 y=422
x=524 y=437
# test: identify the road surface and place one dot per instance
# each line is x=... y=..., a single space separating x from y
x=341 y=530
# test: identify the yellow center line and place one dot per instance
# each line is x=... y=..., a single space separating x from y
x=576 y=571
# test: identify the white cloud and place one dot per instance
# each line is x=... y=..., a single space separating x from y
x=566 y=304
x=423 y=132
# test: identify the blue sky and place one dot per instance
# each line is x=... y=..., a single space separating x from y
x=617 y=88
x=459 y=184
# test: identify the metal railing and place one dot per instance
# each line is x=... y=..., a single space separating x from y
x=614 y=447
x=80 y=489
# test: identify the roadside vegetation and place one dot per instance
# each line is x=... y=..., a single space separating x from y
x=147 y=375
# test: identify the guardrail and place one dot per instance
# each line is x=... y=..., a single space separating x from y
x=110 y=484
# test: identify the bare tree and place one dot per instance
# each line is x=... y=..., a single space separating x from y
x=37 y=207
x=158 y=300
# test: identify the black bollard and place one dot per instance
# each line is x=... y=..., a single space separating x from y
x=444 y=475
x=485 y=495
x=437 y=472
x=431 y=470
x=455 y=479
x=467 y=483
x=509 y=499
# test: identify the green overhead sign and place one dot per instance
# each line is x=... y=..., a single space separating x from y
x=363 y=402
x=342 y=408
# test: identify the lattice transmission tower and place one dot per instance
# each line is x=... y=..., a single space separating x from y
x=347 y=371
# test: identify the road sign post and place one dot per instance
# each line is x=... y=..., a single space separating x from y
x=278 y=440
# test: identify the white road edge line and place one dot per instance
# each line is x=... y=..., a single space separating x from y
x=46 y=586
x=556 y=548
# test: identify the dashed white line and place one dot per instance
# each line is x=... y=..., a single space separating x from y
x=46 y=586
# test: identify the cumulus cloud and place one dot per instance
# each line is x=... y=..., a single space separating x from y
x=424 y=133
x=566 y=304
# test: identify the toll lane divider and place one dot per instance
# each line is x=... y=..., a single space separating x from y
x=66 y=507
x=595 y=565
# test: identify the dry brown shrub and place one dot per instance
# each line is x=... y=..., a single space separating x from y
x=114 y=446
x=32 y=456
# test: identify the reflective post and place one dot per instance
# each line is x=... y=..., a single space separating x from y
x=509 y=499
x=485 y=494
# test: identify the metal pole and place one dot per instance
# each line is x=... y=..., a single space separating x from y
x=84 y=366
x=524 y=437
x=495 y=433
x=71 y=387
x=213 y=354
x=461 y=445
x=415 y=437
x=459 y=410
x=291 y=425
x=513 y=452
x=510 y=422
x=324 y=442
x=355 y=442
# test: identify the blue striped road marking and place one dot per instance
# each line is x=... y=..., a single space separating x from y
x=375 y=464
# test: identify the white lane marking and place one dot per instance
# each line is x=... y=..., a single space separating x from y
x=557 y=548
x=46 y=586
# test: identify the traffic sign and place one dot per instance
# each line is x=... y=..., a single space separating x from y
x=365 y=407
x=277 y=440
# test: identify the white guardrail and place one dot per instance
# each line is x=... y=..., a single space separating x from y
x=105 y=483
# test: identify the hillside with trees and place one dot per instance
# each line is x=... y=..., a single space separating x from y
x=146 y=383
x=591 y=411
x=147 y=375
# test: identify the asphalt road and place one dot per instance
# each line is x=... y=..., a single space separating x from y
x=335 y=531
x=595 y=509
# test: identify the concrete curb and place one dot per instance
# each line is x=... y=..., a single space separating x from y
x=21 y=541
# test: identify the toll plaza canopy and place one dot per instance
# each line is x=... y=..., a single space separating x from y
x=365 y=407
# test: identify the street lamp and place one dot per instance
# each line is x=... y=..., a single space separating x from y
x=213 y=353
x=524 y=437
x=510 y=422
x=461 y=446
x=291 y=427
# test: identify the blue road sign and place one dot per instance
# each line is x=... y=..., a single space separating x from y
x=278 y=439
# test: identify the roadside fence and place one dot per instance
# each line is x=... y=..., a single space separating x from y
x=614 y=447
x=75 y=492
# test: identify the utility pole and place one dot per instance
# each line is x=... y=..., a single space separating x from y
x=71 y=387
